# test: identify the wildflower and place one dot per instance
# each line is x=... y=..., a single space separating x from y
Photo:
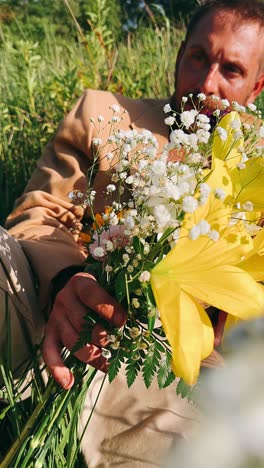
x=135 y=303
x=222 y=133
x=144 y=277
x=261 y=131
x=189 y=204
x=97 y=141
x=134 y=332
x=205 y=270
x=98 y=252
x=111 y=188
x=169 y=120
x=188 y=117
x=225 y=103
x=167 y=108
x=219 y=193
x=115 y=108
x=248 y=206
x=201 y=96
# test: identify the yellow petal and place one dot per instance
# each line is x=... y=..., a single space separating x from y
x=228 y=150
x=187 y=327
x=205 y=269
x=254 y=265
x=248 y=183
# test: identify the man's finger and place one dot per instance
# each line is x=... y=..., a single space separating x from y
x=51 y=353
x=96 y=298
x=219 y=328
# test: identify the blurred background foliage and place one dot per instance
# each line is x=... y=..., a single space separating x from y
x=51 y=51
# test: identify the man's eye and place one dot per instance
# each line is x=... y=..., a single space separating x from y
x=232 y=69
x=198 y=56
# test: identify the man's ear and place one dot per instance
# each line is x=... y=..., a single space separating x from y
x=258 y=88
x=178 y=59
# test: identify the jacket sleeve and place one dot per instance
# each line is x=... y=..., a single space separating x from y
x=44 y=220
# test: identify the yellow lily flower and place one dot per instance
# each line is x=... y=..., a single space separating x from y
x=205 y=271
x=255 y=264
x=248 y=183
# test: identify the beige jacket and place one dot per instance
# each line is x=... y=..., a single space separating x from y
x=44 y=220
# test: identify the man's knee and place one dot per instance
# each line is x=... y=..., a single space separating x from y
x=20 y=322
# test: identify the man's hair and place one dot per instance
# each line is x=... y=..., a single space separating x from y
x=246 y=10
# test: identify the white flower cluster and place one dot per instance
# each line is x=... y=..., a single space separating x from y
x=150 y=192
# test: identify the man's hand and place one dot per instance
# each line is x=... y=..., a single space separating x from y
x=65 y=322
x=219 y=328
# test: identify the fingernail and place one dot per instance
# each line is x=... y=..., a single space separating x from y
x=67 y=383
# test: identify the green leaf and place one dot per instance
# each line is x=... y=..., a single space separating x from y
x=132 y=370
x=115 y=365
x=183 y=389
x=138 y=246
x=165 y=374
x=120 y=286
x=150 y=364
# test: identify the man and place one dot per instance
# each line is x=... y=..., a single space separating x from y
x=223 y=56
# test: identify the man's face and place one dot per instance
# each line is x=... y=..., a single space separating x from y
x=222 y=57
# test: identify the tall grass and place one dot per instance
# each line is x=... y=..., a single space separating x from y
x=40 y=82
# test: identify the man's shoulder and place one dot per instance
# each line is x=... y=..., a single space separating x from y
x=108 y=99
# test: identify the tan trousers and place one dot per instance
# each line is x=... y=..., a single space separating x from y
x=132 y=428
x=20 y=322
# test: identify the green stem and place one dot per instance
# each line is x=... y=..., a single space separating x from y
x=6 y=463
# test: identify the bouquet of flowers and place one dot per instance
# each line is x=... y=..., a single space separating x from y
x=181 y=231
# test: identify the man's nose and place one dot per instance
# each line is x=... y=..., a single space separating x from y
x=210 y=81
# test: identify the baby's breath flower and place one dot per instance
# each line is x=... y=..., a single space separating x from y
x=201 y=96
x=188 y=117
x=261 y=131
x=129 y=180
x=204 y=227
x=238 y=134
x=115 y=345
x=241 y=166
x=237 y=107
x=108 y=268
x=189 y=204
x=143 y=345
x=109 y=246
x=167 y=108
x=252 y=107
x=169 y=120
x=194 y=232
x=205 y=189
x=97 y=141
x=236 y=124
x=115 y=119
x=214 y=235
x=135 y=303
x=219 y=193
x=111 y=188
x=125 y=258
x=184 y=99
x=134 y=332
x=100 y=118
x=248 y=206
x=144 y=277
x=225 y=103
x=99 y=252
x=130 y=268
x=202 y=135
x=115 y=108
x=216 y=112
x=221 y=132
